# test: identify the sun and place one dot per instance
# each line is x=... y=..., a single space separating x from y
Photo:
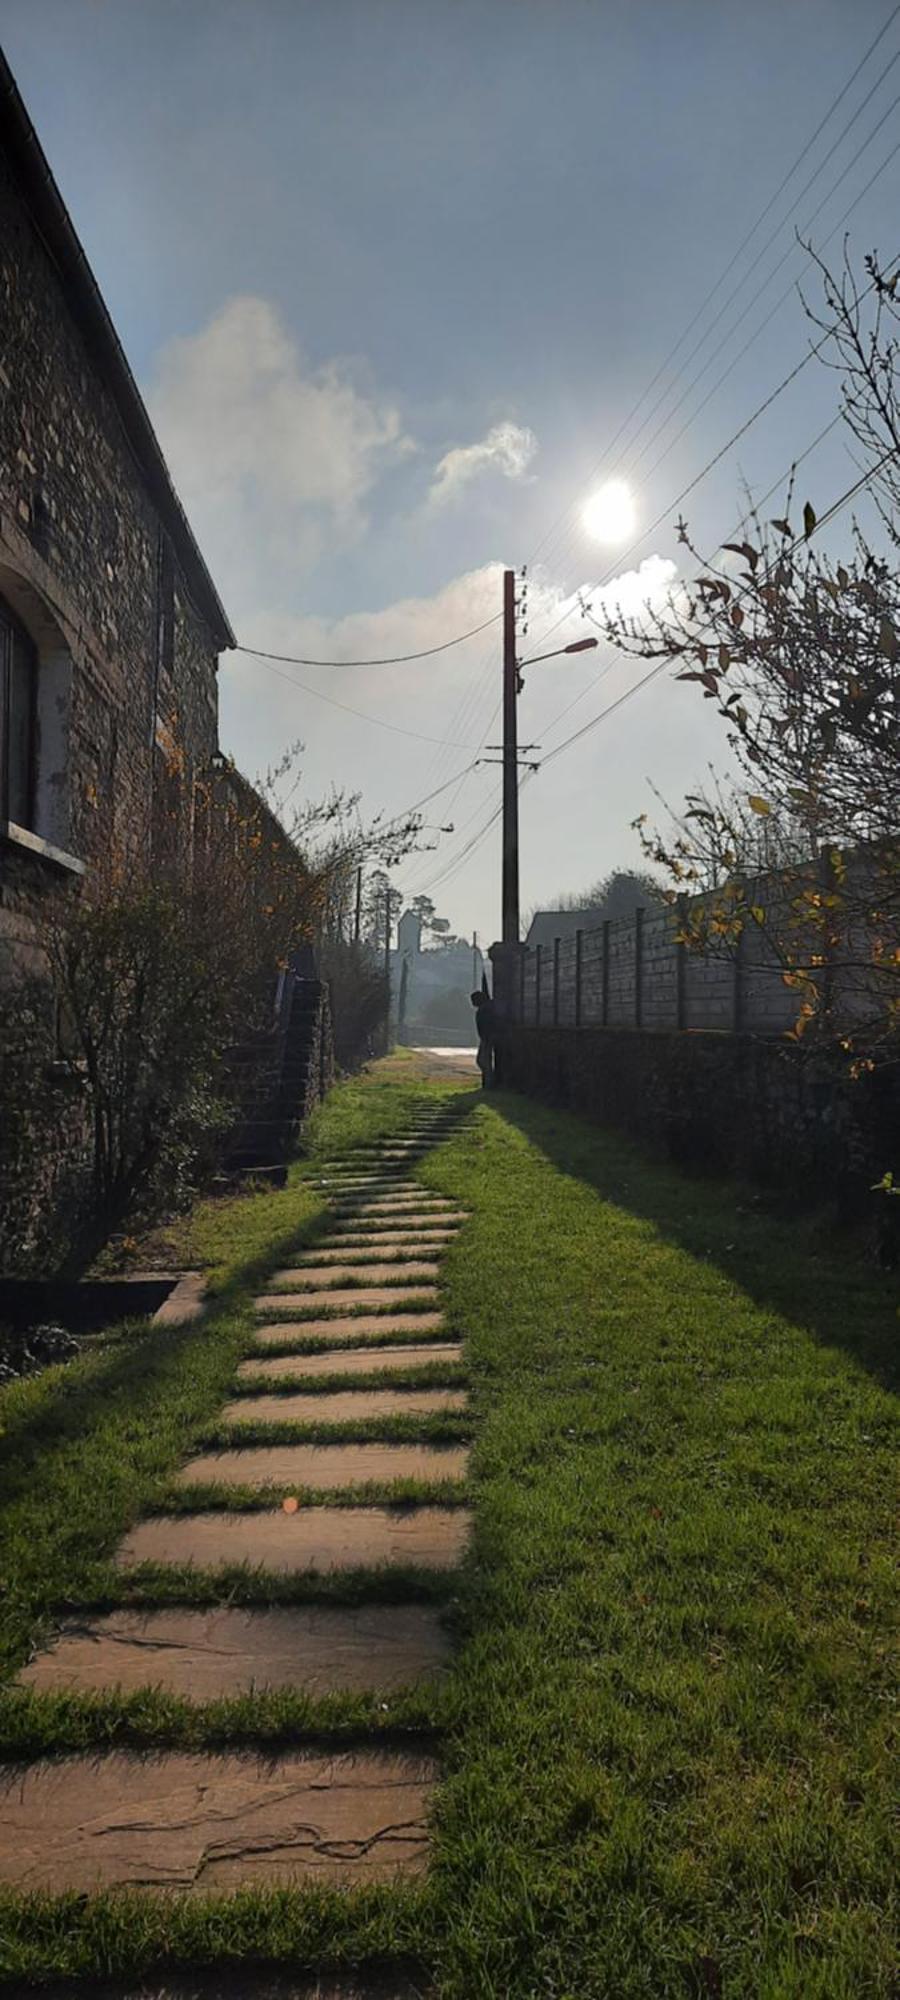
x=610 y=513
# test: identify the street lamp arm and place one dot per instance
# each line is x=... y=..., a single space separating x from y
x=577 y=646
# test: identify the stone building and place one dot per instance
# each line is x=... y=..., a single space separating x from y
x=110 y=623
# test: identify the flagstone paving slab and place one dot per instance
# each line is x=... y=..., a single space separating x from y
x=348 y=1361
x=321 y=1467
x=325 y=1539
x=244 y=1985
x=382 y=1227
x=323 y=1277
x=195 y=1823
x=339 y=1406
x=203 y=1655
x=356 y=1254
x=332 y=1332
x=344 y=1298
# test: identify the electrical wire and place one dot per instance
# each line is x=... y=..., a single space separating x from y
x=389 y=660
x=710 y=295
x=396 y=728
x=822 y=521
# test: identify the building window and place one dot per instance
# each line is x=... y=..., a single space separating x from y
x=18 y=720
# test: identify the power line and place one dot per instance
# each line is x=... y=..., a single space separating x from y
x=822 y=521
x=396 y=728
x=754 y=336
x=761 y=502
x=391 y=660
x=761 y=218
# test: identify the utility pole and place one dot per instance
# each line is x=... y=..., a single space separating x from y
x=510 y=926
x=358 y=914
x=474 y=959
x=387 y=960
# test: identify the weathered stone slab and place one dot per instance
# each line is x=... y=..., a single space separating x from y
x=203 y=1655
x=340 y=1406
x=201 y=1824
x=321 y=1467
x=356 y=1254
x=362 y=1326
x=212 y=1985
x=348 y=1361
x=324 y=1277
x=315 y=1538
x=381 y=1228
x=343 y=1299
x=389 y=1239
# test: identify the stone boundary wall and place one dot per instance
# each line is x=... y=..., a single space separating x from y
x=723 y=1103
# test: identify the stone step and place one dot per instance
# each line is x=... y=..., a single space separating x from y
x=347 y=1361
x=323 y=1468
x=266 y=1985
x=341 y=1298
x=356 y=1254
x=324 y=1539
x=356 y=1327
x=380 y=1229
x=340 y=1406
x=205 y=1655
x=323 y=1277
x=197 y=1824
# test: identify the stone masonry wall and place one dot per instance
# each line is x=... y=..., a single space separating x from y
x=128 y=687
x=722 y=1103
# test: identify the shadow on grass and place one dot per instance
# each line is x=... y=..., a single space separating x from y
x=780 y=1261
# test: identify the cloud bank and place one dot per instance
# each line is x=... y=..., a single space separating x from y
x=266 y=452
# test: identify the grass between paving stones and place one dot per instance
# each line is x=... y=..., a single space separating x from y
x=207 y=1497
x=424 y=1375
x=669 y=1769
x=433 y=1427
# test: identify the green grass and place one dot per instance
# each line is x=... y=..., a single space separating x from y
x=666 y=1743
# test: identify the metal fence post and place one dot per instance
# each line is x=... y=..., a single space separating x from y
x=738 y=1014
x=604 y=1007
x=556 y=982
x=579 y=939
x=537 y=986
x=638 y=965
x=680 y=969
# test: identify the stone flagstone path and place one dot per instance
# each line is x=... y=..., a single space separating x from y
x=365 y=1302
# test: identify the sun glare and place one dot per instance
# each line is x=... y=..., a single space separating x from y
x=610 y=515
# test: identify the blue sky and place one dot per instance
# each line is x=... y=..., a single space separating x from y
x=351 y=242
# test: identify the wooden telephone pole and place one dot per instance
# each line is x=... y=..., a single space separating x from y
x=510 y=927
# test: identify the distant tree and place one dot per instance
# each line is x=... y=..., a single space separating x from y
x=618 y=894
x=382 y=904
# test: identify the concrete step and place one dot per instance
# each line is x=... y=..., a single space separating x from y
x=326 y=1539
x=343 y=1406
x=323 y=1468
x=350 y=1330
x=319 y=1277
x=198 y=1824
x=345 y=1298
x=210 y=1654
x=347 y=1361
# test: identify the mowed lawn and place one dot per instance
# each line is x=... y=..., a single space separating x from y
x=665 y=1744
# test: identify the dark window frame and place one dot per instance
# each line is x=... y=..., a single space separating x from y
x=14 y=635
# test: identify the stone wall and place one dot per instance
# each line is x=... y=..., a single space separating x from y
x=722 y=1103
x=127 y=680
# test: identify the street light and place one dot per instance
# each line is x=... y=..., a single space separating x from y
x=577 y=646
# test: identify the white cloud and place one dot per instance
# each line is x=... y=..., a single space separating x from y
x=267 y=453
x=508 y=448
